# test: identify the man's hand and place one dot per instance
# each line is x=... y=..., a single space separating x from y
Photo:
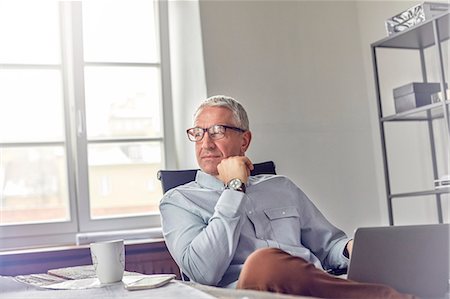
x=349 y=247
x=237 y=167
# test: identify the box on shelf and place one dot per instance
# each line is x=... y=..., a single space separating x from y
x=415 y=15
x=414 y=95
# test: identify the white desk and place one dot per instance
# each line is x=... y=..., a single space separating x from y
x=11 y=289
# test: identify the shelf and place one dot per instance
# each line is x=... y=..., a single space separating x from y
x=432 y=32
x=422 y=193
x=418 y=37
x=419 y=114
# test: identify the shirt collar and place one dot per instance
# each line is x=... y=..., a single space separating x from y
x=208 y=181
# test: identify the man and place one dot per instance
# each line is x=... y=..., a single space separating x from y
x=228 y=228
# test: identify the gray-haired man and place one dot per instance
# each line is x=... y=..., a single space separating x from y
x=228 y=228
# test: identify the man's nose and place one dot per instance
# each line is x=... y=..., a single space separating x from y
x=207 y=141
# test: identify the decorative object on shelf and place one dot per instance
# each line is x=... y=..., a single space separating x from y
x=442 y=182
x=413 y=95
x=439 y=96
x=414 y=15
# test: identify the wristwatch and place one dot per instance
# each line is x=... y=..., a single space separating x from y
x=236 y=184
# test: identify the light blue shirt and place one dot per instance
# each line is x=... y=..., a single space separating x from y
x=210 y=230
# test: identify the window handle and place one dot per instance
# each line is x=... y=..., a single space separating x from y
x=80 y=129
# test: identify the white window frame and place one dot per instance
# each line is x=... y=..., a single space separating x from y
x=72 y=67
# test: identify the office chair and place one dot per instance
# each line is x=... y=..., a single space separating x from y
x=174 y=178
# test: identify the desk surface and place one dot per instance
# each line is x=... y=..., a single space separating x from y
x=13 y=289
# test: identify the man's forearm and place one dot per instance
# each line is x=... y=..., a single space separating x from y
x=208 y=257
x=204 y=250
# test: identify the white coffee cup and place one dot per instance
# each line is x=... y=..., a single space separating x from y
x=108 y=259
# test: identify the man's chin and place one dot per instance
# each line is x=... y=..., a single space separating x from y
x=211 y=172
x=210 y=169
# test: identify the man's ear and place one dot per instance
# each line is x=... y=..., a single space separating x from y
x=246 y=139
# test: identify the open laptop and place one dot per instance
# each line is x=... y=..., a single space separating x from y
x=411 y=259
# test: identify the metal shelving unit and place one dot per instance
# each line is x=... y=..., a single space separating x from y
x=420 y=37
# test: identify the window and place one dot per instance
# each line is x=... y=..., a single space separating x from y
x=81 y=118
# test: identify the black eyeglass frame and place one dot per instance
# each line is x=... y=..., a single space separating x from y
x=208 y=130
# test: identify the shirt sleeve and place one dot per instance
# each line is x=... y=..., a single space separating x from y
x=323 y=239
x=203 y=248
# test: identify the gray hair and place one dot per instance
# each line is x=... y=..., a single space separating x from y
x=239 y=113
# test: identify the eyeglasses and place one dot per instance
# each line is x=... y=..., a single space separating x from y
x=215 y=132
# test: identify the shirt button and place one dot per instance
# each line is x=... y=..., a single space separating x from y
x=250 y=212
x=283 y=213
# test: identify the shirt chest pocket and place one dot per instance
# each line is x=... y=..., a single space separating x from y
x=285 y=224
x=277 y=224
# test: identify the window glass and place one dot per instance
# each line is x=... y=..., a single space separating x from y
x=31 y=105
x=119 y=31
x=122 y=179
x=123 y=102
x=33 y=185
x=29 y=32
x=52 y=79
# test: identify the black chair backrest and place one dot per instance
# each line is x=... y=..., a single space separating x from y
x=174 y=178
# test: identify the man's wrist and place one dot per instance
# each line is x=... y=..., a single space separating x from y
x=346 y=254
x=236 y=184
x=348 y=249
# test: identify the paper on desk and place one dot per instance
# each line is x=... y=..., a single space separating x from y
x=89 y=283
x=39 y=280
x=53 y=282
x=75 y=284
x=49 y=281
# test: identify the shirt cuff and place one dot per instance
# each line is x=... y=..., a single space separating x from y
x=230 y=203
x=337 y=258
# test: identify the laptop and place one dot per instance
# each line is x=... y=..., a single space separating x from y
x=411 y=259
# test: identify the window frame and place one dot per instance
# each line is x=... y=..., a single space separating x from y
x=76 y=142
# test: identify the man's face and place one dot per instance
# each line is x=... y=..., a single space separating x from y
x=211 y=152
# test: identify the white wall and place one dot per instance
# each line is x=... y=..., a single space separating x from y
x=371 y=16
x=298 y=69
x=303 y=71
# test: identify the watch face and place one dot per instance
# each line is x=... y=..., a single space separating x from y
x=235 y=184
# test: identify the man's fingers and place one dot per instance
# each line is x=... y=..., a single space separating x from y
x=249 y=164
x=235 y=167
